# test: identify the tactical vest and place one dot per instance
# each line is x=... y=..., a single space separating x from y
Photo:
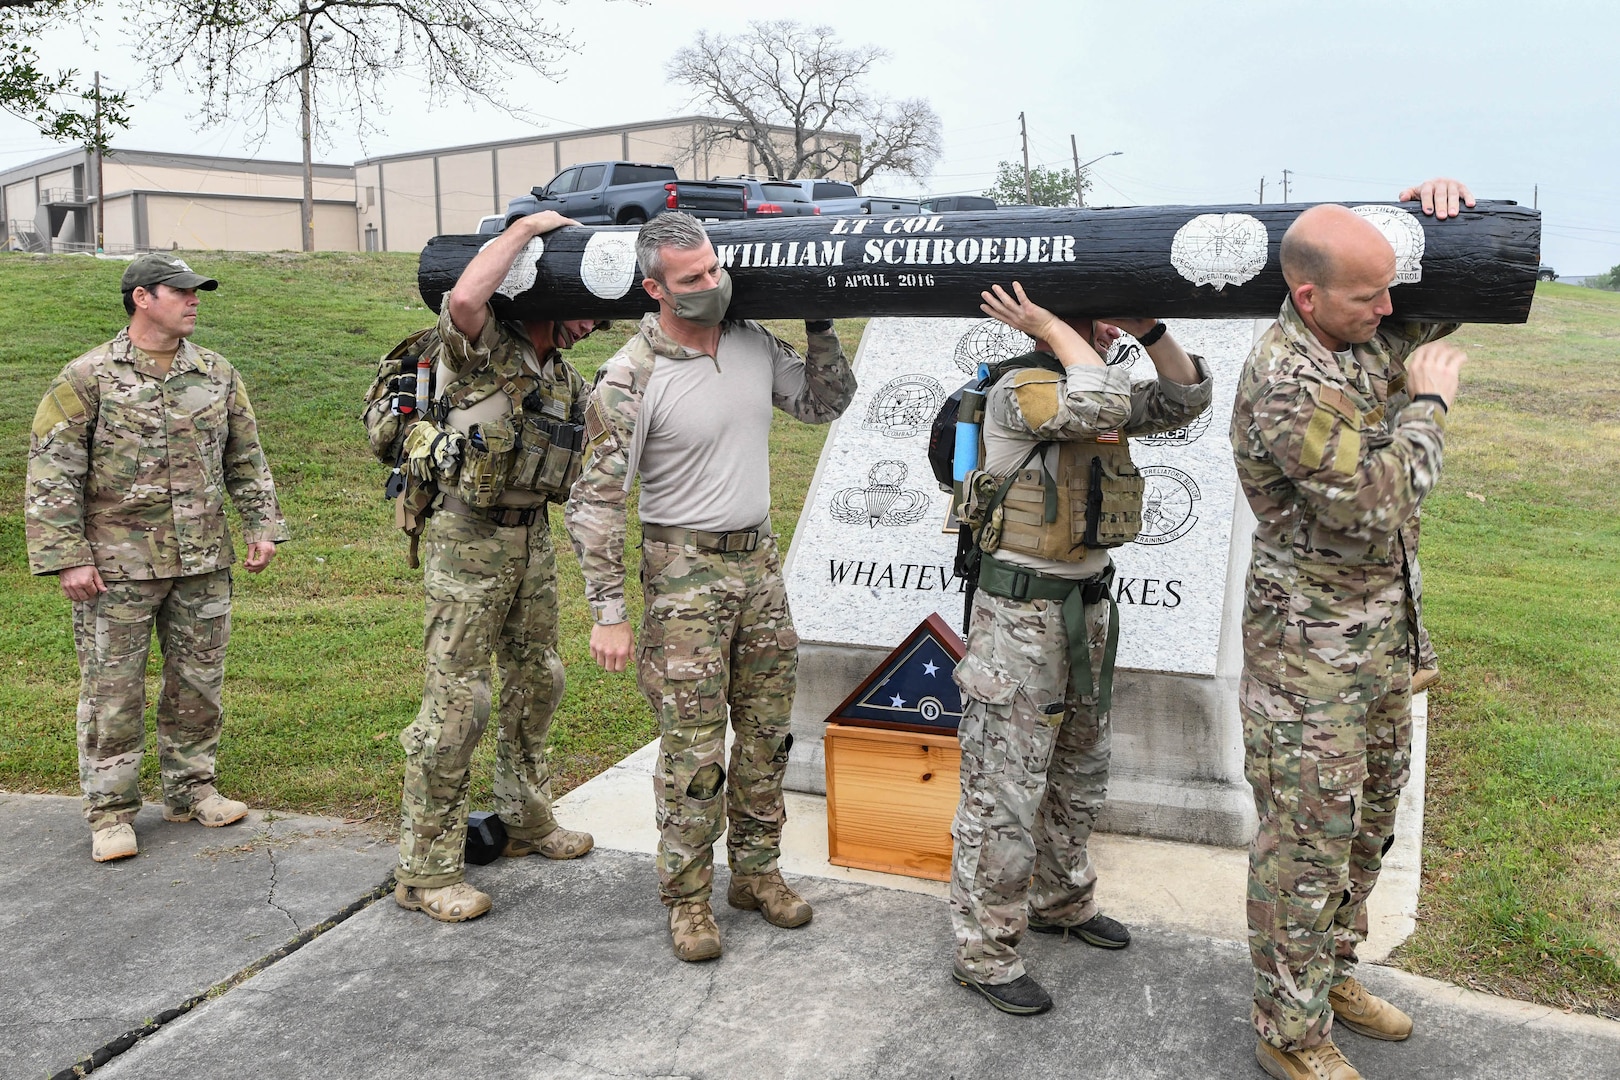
x=523 y=433
x=1094 y=501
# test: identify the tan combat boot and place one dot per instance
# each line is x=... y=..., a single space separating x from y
x=1314 y=1063
x=559 y=843
x=208 y=807
x=692 y=931
x=1366 y=1013
x=769 y=895
x=115 y=842
x=456 y=902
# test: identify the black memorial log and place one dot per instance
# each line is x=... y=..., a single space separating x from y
x=1168 y=261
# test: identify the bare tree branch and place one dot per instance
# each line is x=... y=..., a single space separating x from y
x=244 y=57
x=798 y=96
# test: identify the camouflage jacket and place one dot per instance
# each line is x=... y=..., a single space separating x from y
x=595 y=514
x=1334 y=463
x=128 y=470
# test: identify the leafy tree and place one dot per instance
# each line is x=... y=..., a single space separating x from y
x=58 y=104
x=784 y=74
x=1047 y=187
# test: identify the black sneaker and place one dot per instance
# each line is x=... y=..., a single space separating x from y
x=1099 y=930
x=1021 y=997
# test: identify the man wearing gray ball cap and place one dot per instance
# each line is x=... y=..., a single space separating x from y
x=133 y=450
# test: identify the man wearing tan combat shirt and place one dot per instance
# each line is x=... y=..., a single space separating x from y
x=133 y=450
x=686 y=404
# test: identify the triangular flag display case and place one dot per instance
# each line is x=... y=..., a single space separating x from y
x=893 y=761
x=912 y=689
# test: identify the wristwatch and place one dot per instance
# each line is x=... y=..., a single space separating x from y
x=817 y=326
x=1152 y=336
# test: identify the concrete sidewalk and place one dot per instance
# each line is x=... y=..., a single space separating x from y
x=571 y=974
x=91 y=951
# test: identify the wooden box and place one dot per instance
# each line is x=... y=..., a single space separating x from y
x=890 y=799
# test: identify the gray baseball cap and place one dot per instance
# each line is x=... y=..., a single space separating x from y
x=171 y=270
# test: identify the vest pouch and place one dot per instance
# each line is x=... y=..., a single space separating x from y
x=563 y=458
x=534 y=441
x=486 y=462
x=1113 y=505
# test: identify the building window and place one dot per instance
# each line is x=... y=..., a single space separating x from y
x=371 y=196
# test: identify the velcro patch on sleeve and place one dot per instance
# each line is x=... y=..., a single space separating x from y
x=61 y=405
x=596 y=428
x=1037 y=392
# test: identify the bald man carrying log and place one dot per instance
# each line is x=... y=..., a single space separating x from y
x=1337 y=432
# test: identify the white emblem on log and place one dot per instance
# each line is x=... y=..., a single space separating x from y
x=1219 y=249
x=520 y=278
x=608 y=267
x=1404 y=234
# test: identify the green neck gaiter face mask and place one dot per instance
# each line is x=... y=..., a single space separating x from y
x=706 y=307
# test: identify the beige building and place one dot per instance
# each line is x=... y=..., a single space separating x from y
x=158 y=201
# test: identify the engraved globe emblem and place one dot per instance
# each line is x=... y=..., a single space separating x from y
x=988 y=342
x=905 y=406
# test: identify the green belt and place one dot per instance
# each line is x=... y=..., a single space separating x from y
x=733 y=541
x=1018 y=583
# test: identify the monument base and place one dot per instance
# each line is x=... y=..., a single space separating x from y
x=1177 y=770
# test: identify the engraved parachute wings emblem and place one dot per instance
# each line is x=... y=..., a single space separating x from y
x=1220 y=249
x=883 y=501
x=1404 y=234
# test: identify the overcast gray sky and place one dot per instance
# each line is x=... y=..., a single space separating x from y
x=1203 y=98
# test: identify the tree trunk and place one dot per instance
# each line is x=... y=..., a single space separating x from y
x=1215 y=262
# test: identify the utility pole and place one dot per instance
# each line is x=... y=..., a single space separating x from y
x=1079 y=188
x=1262 y=191
x=1023 y=131
x=101 y=223
x=1285 y=184
x=307 y=211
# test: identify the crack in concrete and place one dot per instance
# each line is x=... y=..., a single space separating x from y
x=270 y=853
x=697 y=1011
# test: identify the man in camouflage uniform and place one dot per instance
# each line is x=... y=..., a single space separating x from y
x=1035 y=730
x=1337 y=435
x=686 y=404
x=133 y=450
x=491 y=579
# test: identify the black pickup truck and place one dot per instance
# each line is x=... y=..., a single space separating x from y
x=628 y=193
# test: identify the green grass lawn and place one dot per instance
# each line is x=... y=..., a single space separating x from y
x=1521 y=560
x=325 y=665
x=1521 y=552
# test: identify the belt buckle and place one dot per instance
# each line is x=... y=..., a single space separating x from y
x=736 y=541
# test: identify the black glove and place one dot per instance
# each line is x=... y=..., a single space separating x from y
x=817 y=326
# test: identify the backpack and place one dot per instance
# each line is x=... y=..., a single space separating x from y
x=392 y=406
x=942 y=460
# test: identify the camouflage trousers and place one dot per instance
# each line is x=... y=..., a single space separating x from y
x=1034 y=777
x=490 y=590
x=717 y=632
x=113 y=634
x=1327 y=777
